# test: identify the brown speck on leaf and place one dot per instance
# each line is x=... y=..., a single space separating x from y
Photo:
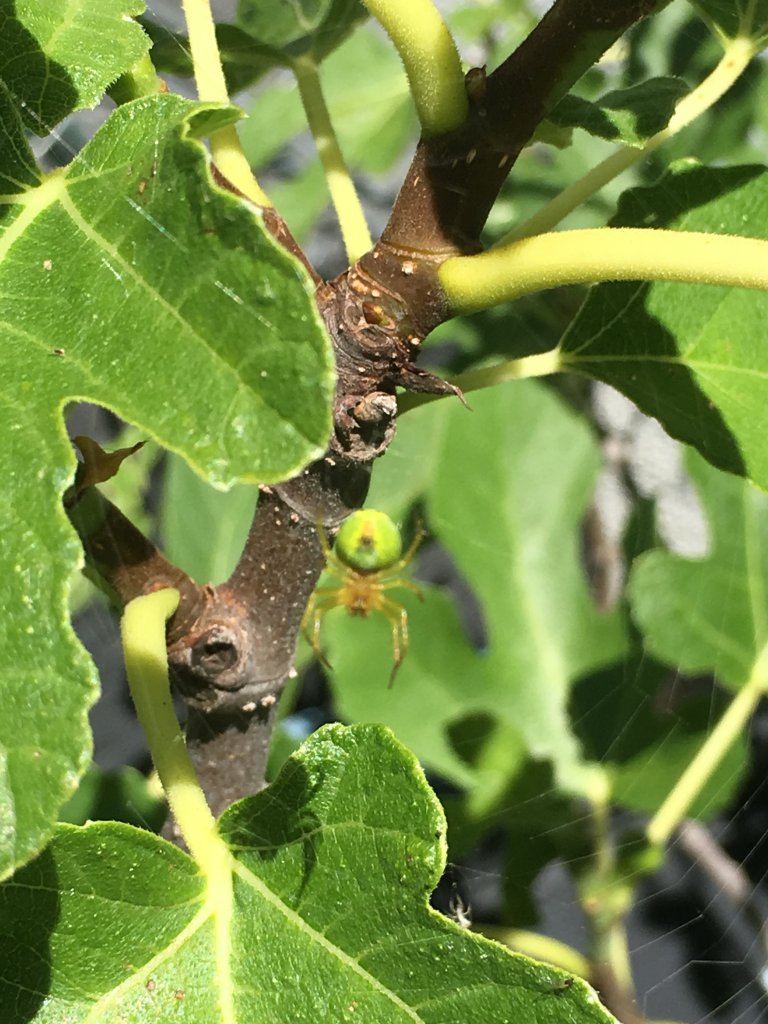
x=151 y=985
x=178 y=994
x=58 y=352
x=563 y=985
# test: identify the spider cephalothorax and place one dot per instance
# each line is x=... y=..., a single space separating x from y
x=367 y=561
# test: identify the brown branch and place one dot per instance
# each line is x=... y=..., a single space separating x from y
x=123 y=562
x=379 y=311
x=231 y=647
x=454 y=179
x=232 y=665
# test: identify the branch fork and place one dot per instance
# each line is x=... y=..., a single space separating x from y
x=232 y=647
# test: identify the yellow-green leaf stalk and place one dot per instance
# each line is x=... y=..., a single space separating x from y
x=146 y=661
x=718 y=743
x=431 y=60
x=346 y=202
x=540 y=365
x=539 y=947
x=472 y=283
x=739 y=52
x=209 y=76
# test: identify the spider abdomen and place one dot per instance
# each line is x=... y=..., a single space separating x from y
x=368 y=541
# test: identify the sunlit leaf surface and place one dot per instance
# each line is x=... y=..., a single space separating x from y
x=326 y=919
x=57 y=56
x=128 y=279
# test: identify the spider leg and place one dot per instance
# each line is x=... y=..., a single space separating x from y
x=322 y=536
x=315 y=611
x=406 y=583
x=397 y=617
x=401 y=563
x=332 y=563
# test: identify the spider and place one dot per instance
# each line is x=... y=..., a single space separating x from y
x=367 y=560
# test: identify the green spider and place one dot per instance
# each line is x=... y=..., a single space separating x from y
x=367 y=560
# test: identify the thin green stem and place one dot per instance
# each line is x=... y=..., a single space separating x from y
x=146 y=660
x=718 y=743
x=354 y=229
x=606 y=901
x=472 y=283
x=738 y=54
x=610 y=944
x=541 y=365
x=617 y=955
x=432 y=62
x=209 y=76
